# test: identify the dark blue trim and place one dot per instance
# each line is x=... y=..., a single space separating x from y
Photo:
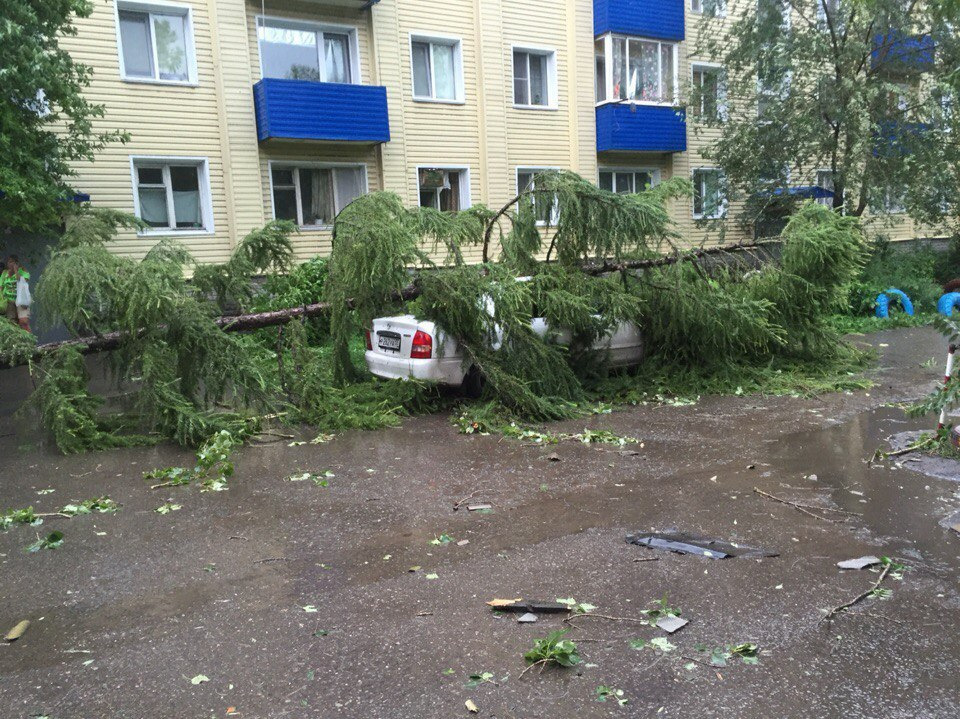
x=305 y=110
x=627 y=127
x=662 y=19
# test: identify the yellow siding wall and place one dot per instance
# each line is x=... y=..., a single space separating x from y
x=169 y=120
x=486 y=133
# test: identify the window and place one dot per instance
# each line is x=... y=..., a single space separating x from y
x=312 y=196
x=172 y=194
x=710 y=8
x=534 y=78
x=444 y=189
x=636 y=69
x=825 y=181
x=437 y=69
x=600 y=69
x=888 y=200
x=628 y=181
x=306 y=51
x=546 y=209
x=828 y=13
x=156 y=42
x=709 y=93
x=709 y=196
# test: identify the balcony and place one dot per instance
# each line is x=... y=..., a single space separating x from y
x=324 y=111
x=660 y=19
x=627 y=127
x=897 y=53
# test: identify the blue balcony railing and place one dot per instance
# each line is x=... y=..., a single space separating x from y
x=306 y=110
x=661 y=19
x=626 y=127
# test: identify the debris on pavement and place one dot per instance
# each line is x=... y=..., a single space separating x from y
x=528 y=606
x=471 y=707
x=671 y=623
x=859 y=563
x=17 y=631
x=952 y=522
x=552 y=457
x=805 y=508
x=479 y=507
x=684 y=543
x=528 y=618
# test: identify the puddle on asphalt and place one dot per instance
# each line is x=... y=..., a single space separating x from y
x=897 y=504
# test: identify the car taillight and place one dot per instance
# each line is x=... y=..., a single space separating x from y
x=369 y=342
x=422 y=346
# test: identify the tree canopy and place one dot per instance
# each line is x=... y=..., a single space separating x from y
x=862 y=89
x=46 y=124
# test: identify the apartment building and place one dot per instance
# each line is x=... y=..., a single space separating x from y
x=240 y=111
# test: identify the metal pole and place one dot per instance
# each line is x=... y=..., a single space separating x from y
x=946 y=378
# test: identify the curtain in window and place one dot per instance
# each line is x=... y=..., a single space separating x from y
x=620 y=68
x=666 y=73
x=350 y=185
x=538 y=79
x=185 y=185
x=153 y=206
x=336 y=48
x=450 y=197
x=169 y=34
x=135 y=39
x=421 y=70
x=316 y=196
x=521 y=95
x=443 y=68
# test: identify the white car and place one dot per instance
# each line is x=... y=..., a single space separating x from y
x=405 y=347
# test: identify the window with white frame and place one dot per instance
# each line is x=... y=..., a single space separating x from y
x=636 y=69
x=710 y=8
x=172 y=194
x=709 y=92
x=156 y=42
x=888 y=200
x=626 y=181
x=709 y=194
x=545 y=208
x=437 y=68
x=444 y=189
x=296 y=50
x=825 y=182
x=534 y=78
x=312 y=195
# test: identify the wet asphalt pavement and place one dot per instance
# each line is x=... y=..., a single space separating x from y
x=135 y=604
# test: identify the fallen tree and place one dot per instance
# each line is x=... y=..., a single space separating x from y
x=181 y=369
x=247 y=322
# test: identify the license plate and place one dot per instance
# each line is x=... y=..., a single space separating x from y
x=389 y=341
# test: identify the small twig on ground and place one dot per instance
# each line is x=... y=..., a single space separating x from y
x=605 y=616
x=647 y=559
x=880 y=454
x=424 y=614
x=860 y=597
x=272 y=559
x=698 y=661
x=457 y=505
x=237 y=536
x=542 y=663
x=798 y=507
x=52 y=514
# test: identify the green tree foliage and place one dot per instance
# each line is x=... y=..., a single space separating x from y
x=837 y=86
x=47 y=124
x=178 y=362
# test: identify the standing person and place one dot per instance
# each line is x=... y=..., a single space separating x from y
x=11 y=276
